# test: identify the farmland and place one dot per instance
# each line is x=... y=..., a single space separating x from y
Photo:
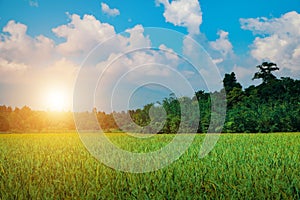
x=57 y=166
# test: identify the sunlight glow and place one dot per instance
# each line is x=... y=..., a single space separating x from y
x=56 y=100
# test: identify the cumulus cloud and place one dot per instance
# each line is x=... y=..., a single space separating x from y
x=137 y=38
x=11 y=71
x=30 y=65
x=109 y=11
x=170 y=54
x=19 y=48
x=185 y=13
x=33 y=65
x=198 y=57
x=242 y=73
x=137 y=52
x=124 y=75
x=278 y=39
x=222 y=44
x=82 y=34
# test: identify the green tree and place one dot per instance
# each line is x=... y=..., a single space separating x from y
x=265 y=72
x=230 y=82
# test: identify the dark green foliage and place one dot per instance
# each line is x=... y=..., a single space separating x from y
x=265 y=72
x=230 y=82
x=272 y=107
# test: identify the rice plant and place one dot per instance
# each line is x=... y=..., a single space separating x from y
x=241 y=166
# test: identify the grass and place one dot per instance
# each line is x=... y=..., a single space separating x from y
x=242 y=166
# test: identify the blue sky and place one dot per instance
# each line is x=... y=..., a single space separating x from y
x=217 y=15
x=237 y=35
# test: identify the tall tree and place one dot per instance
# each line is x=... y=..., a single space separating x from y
x=230 y=82
x=265 y=72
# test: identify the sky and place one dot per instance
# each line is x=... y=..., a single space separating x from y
x=116 y=55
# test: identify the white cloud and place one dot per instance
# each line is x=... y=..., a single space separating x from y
x=278 y=39
x=29 y=66
x=82 y=35
x=109 y=11
x=189 y=47
x=243 y=73
x=201 y=60
x=137 y=38
x=121 y=63
x=222 y=44
x=6 y=66
x=17 y=47
x=170 y=54
x=35 y=65
x=185 y=13
x=135 y=70
x=11 y=71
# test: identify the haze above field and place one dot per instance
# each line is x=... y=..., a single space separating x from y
x=43 y=44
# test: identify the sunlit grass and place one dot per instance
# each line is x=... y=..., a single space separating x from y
x=57 y=166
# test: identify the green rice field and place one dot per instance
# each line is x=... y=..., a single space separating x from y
x=241 y=166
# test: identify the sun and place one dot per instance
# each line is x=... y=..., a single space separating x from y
x=56 y=100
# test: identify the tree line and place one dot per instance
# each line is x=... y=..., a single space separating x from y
x=272 y=106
